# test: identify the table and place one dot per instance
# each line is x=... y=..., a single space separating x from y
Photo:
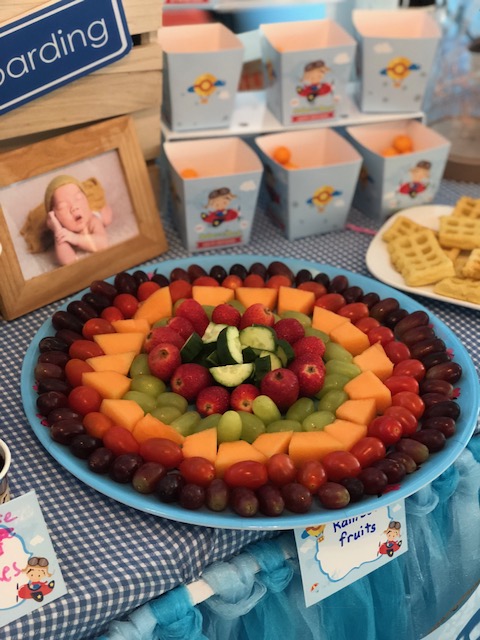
x=115 y=558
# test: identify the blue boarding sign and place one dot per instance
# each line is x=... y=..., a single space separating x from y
x=57 y=44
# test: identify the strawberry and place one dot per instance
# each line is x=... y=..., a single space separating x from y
x=289 y=329
x=189 y=379
x=257 y=313
x=162 y=334
x=163 y=360
x=182 y=326
x=226 y=314
x=309 y=345
x=212 y=399
x=195 y=313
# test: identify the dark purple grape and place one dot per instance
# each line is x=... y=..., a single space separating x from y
x=179 y=274
x=433 y=439
x=416 y=450
x=383 y=308
x=354 y=486
x=304 y=275
x=322 y=278
x=140 y=277
x=437 y=357
x=297 y=497
x=45 y=370
x=60 y=358
x=196 y=271
x=446 y=408
x=412 y=320
x=338 y=284
x=421 y=350
x=51 y=343
x=160 y=279
x=403 y=458
x=62 y=413
x=449 y=371
x=169 y=487
x=436 y=386
x=432 y=398
x=124 y=466
x=270 y=500
x=103 y=288
x=394 y=318
x=64 y=431
x=147 y=476
x=83 y=445
x=51 y=400
x=244 y=502
x=98 y=301
x=370 y=299
x=353 y=294
x=278 y=268
x=81 y=310
x=99 y=461
x=68 y=336
x=446 y=425
x=393 y=469
x=53 y=384
x=125 y=282
x=374 y=480
x=333 y=495
x=259 y=269
x=218 y=273
x=238 y=270
x=192 y=496
x=418 y=334
x=217 y=495
x=66 y=320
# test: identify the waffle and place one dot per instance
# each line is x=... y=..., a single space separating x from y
x=465 y=289
x=460 y=232
x=471 y=268
x=420 y=258
x=467 y=207
x=402 y=226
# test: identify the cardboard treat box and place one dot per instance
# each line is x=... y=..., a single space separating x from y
x=391 y=182
x=202 y=68
x=397 y=49
x=214 y=187
x=307 y=68
x=313 y=191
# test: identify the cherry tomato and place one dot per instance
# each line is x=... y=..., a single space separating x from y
x=96 y=325
x=365 y=324
x=280 y=469
x=387 y=428
x=83 y=399
x=120 y=440
x=397 y=351
x=146 y=289
x=163 y=451
x=331 y=301
x=127 y=303
x=232 y=282
x=197 y=470
x=368 y=450
x=74 y=369
x=96 y=424
x=317 y=288
x=111 y=314
x=180 y=289
x=406 y=418
x=311 y=474
x=401 y=383
x=83 y=349
x=380 y=334
x=410 y=401
x=355 y=311
x=340 y=465
x=410 y=367
x=247 y=473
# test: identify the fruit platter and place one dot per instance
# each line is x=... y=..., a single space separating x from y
x=249 y=392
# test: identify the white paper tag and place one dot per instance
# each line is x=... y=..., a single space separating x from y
x=30 y=576
x=335 y=554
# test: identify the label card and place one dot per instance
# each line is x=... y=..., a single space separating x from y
x=29 y=572
x=55 y=45
x=338 y=553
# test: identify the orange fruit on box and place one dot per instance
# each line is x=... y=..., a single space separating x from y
x=389 y=151
x=402 y=143
x=282 y=155
x=189 y=173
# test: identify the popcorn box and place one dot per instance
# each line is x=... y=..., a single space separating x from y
x=202 y=66
x=313 y=192
x=390 y=183
x=215 y=207
x=397 y=49
x=307 y=68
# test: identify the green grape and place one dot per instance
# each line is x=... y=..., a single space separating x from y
x=343 y=368
x=318 y=420
x=252 y=426
x=304 y=320
x=300 y=409
x=146 y=402
x=160 y=323
x=332 y=400
x=172 y=399
x=265 y=409
x=186 y=423
x=237 y=305
x=333 y=381
x=334 y=351
x=310 y=331
x=229 y=427
x=208 y=308
x=139 y=366
x=166 y=414
x=148 y=384
x=284 y=425
x=209 y=422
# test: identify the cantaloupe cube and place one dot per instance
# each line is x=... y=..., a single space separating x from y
x=350 y=338
x=212 y=296
x=368 y=385
x=150 y=427
x=272 y=443
x=230 y=452
x=119 y=362
x=131 y=325
x=348 y=433
x=109 y=384
x=203 y=444
x=124 y=413
x=291 y=299
x=375 y=359
x=251 y=295
x=312 y=445
x=112 y=343
x=326 y=320
x=361 y=411
x=156 y=306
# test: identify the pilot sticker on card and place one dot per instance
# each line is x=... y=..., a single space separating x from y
x=336 y=554
x=29 y=572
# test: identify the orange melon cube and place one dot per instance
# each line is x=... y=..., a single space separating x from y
x=291 y=299
x=272 y=443
x=348 y=433
x=213 y=296
x=231 y=452
x=113 y=343
x=375 y=359
x=326 y=320
x=156 y=306
x=150 y=427
x=350 y=338
x=203 y=444
x=131 y=325
x=312 y=445
x=124 y=413
x=251 y=295
x=109 y=384
x=119 y=362
x=361 y=411
x=368 y=385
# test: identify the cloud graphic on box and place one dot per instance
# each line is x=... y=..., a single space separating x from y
x=224 y=95
x=249 y=185
x=36 y=540
x=342 y=58
x=383 y=47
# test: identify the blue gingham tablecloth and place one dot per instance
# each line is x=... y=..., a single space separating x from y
x=115 y=558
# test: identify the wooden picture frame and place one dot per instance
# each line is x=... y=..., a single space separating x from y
x=33 y=276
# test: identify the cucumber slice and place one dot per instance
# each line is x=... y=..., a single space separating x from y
x=263 y=366
x=259 y=337
x=212 y=331
x=192 y=348
x=249 y=354
x=229 y=348
x=275 y=362
x=285 y=352
x=232 y=375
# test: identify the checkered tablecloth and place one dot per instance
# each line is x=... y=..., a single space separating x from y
x=115 y=558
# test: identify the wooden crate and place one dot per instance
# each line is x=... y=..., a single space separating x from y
x=133 y=86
